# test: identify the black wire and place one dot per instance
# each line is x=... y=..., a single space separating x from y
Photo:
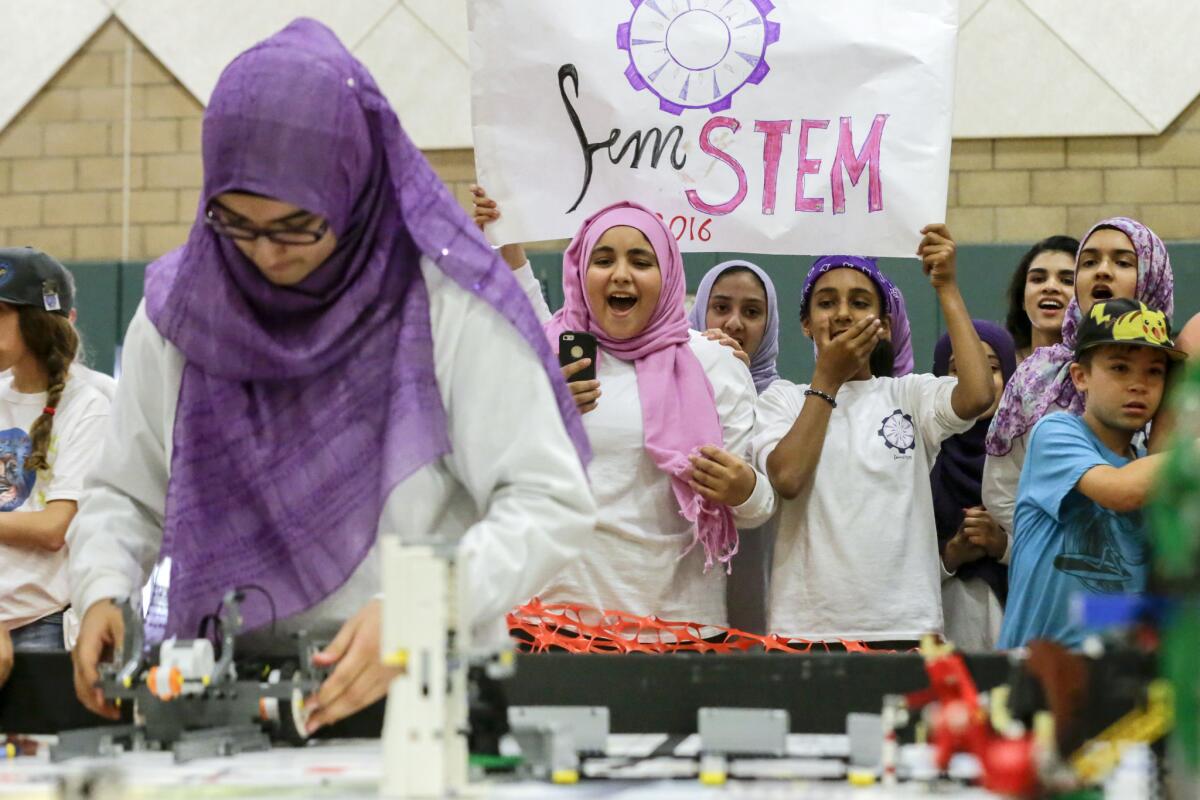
x=270 y=600
x=215 y=618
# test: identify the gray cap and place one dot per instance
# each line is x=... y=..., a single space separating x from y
x=29 y=277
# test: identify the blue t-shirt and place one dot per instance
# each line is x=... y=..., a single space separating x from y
x=1065 y=543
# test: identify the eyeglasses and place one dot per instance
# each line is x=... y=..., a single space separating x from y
x=249 y=233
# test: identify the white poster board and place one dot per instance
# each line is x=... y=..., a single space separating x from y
x=805 y=128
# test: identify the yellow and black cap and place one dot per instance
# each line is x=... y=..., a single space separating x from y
x=29 y=277
x=1128 y=322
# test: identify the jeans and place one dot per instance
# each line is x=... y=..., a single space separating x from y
x=44 y=635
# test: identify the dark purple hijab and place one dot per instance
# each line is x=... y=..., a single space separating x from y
x=957 y=474
x=301 y=408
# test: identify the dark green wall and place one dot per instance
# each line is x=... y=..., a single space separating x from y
x=109 y=294
x=984 y=272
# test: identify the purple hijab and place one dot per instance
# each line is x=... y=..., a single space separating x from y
x=958 y=472
x=762 y=360
x=902 y=361
x=1044 y=378
x=301 y=408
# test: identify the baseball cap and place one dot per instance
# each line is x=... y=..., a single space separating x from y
x=29 y=277
x=1124 y=321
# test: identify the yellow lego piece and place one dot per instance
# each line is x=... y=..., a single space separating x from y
x=206 y=680
x=397 y=659
x=128 y=681
x=10 y=750
x=998 y=707
x=860 y=777
x=564 y=776
x=713 y=778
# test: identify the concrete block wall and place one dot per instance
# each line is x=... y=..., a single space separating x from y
x=1019 y=190
x=62 y=169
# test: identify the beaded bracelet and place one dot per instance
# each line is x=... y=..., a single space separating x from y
x=818 y=393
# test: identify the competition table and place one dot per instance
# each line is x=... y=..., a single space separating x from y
x=351 y=769
x=652 y=700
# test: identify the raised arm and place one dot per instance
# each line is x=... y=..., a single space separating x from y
x=974 y=393
x=486 y=212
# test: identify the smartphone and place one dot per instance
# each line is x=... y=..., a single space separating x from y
x=573 y=346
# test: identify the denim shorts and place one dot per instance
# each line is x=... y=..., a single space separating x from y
x=41 y=636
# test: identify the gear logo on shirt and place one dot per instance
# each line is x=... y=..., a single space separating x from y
x=16 y=482
x=898 y=432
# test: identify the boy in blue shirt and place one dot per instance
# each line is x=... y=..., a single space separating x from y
x=1078 y=523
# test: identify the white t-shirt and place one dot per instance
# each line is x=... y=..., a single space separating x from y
x=633 y=563
x=998 y=488
x=856 y=556
x=972 y=612
x=33 y=582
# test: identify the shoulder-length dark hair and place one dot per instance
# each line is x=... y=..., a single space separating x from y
x=1017 y=322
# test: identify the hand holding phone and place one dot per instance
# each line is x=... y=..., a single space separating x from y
x=575 y=346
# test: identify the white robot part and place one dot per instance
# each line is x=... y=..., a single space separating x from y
x=184 y=667
x=424 y=732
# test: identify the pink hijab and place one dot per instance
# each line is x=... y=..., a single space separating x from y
x=679 y=411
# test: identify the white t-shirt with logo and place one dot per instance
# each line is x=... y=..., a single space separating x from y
x=33 y=582
x=856 y=556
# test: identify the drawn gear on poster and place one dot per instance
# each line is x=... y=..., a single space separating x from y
x=697 y=53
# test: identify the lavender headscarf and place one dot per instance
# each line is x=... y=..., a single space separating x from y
x=762 y=360
x=902 y=363
x=1044 y=378
x=302 y=407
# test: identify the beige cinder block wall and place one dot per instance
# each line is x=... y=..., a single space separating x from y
x=62 y=163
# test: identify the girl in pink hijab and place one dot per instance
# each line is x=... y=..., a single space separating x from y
x=669 y=417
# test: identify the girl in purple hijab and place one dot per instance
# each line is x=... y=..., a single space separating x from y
x=334 y=354
x=850 y=453
x=1118 y=257
x=970 y=541
x=736 y=306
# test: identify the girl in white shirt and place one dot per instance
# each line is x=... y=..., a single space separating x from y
x=669 y=418
x=316 y=367
x=51 y=424
x=856 y=558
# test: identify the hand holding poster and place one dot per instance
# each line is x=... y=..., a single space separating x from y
x=811 y=127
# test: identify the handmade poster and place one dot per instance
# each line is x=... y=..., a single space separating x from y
x=805 y=127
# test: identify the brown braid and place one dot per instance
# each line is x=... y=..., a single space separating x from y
x=52 y=340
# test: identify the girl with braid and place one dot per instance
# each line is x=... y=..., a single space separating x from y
x=51 y=426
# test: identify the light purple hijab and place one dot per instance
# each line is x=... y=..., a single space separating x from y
x=762 y=360
x=1044 y=378
x=301 y=408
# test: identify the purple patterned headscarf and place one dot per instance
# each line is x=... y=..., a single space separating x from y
x=762 y=360
x=302 y=407
x=902 y=363
x=1044 y=378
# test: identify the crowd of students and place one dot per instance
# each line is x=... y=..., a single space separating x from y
x=337 y=354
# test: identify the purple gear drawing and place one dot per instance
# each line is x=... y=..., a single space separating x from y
x=898 y=432
x=697 y=53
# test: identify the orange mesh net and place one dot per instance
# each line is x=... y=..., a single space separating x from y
x=548 y=627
